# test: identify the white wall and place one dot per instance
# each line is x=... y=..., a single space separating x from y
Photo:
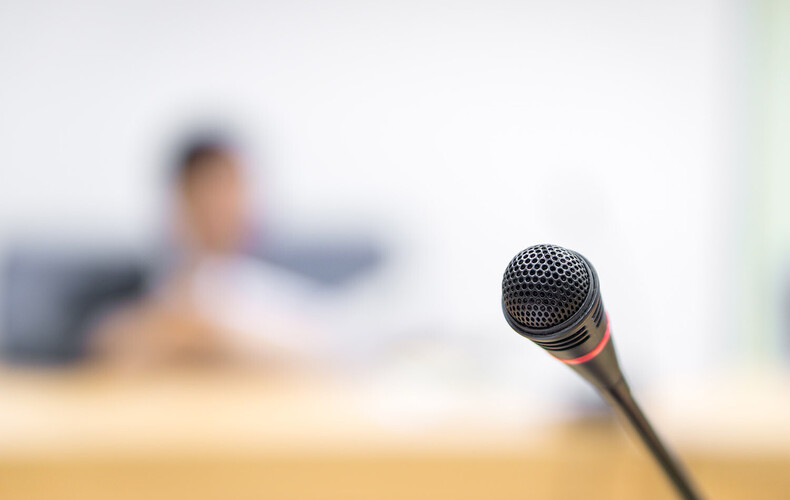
x=465 y=130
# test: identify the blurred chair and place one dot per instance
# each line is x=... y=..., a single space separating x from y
x=52 y=296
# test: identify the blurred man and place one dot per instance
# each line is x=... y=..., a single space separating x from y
x=212 y=304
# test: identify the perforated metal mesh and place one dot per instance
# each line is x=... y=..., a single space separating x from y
x=544 y=285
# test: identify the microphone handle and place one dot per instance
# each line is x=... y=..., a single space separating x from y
x=619 y=395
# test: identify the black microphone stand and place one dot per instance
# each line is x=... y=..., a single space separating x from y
x=619 y=395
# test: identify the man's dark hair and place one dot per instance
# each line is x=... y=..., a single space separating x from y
x=189 y=160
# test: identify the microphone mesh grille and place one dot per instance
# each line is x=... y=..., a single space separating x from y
x=544 y=286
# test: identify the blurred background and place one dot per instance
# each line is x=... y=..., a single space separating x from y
x=256 y=248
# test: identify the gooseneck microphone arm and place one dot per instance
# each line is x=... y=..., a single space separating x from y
x=551 y=296
x=619 y=396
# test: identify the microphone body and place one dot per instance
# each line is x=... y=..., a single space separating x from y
x=551 y=295
x=583 y=340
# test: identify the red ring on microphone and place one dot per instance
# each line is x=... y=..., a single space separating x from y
x=590 y=355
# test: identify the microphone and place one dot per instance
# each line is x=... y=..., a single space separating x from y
x=551 y=295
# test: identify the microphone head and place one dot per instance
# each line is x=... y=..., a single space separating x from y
x=544 y=286
x=551 y=296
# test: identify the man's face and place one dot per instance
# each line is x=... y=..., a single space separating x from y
x=214 y=203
